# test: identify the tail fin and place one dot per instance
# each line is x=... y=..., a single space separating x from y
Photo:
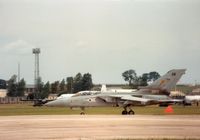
x=167 y=81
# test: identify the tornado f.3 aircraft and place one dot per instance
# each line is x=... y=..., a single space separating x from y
x=155 y=93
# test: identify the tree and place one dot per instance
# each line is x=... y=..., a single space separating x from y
x=40 y=84
x=77 y=84
x=45 y=91
x=143 y=79
x=153 y=76
x=55 y=87
x=87 y=82
x=145 y=76
x=2 y=84
x=70 y=84
x=130 y=76
x=81 y=83
x=16 y=89
x=135 y=81
x=21 y=87
x=12 y=86
x=62 y=85
x=30 y=96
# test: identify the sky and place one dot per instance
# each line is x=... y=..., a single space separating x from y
x=102 y=37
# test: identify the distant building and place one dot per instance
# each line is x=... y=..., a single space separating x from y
x=3 y=93
x=29 y=89
x=3 y=90
x=195 y=91
x=4 y=99
x=177 y=94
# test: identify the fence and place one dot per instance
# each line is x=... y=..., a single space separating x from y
x=13 y=100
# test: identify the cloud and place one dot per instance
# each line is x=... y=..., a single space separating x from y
x=18 y=47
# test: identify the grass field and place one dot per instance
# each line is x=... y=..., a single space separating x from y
x=27 y=109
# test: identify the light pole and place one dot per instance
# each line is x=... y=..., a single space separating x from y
x=36 y=52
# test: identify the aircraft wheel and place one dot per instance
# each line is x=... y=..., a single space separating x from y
x=124 y=112
x=131 y=112
x=82 y=113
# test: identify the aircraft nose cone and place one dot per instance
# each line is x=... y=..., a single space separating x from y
x=60 y=101
x=51 y=103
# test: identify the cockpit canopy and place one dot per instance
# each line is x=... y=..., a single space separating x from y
x=86 y=93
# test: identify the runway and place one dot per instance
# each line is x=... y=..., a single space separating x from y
x=77 y=127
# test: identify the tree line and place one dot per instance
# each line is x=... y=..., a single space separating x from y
x=15 y=89
x=134 y=80
x=74 y=84
x=69 y=85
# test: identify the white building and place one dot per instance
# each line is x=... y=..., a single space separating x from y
x=3 y=93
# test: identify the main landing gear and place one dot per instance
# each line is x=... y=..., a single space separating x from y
x=130 y=112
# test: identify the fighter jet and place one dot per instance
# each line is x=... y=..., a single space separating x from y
x=155 y=93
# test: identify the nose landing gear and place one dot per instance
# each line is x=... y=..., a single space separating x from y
x=82 y=112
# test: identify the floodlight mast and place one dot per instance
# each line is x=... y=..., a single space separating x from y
x=36 y=52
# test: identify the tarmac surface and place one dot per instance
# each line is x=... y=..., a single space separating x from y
x=77 y=127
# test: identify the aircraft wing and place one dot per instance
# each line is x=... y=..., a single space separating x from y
x=128 y=99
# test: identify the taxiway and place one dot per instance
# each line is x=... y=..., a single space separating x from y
x=99 y=127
